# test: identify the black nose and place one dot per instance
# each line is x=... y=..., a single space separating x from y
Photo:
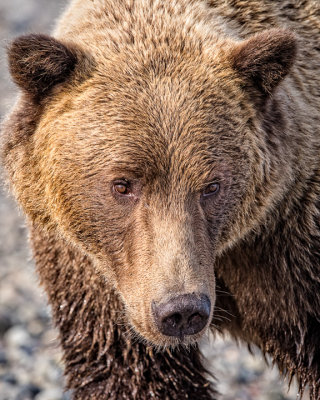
x=186 y=314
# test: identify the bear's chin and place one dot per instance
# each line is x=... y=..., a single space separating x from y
x=156 y=340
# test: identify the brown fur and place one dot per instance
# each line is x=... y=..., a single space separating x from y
x=172 y=95
x=39 y=62
x=264 y=59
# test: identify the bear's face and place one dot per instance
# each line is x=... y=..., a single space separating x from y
x=149 y=183
x=153 y=172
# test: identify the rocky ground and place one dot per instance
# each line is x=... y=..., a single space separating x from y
x=30 y=366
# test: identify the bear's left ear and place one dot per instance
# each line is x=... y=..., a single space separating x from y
x=265 y=59
x=39 y=62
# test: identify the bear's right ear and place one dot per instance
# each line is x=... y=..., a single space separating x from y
x=38 y=62
x=263 y=60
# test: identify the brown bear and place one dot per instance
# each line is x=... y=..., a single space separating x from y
x=167 y=156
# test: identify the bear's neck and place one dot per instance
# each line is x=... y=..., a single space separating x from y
x=268 y=288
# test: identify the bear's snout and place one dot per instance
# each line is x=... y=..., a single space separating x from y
x=182 y=315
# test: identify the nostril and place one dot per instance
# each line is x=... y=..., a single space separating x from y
x=173 y=320
x=183 y=315
x=195 y=319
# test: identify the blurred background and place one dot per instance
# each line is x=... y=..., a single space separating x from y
x=30 y=363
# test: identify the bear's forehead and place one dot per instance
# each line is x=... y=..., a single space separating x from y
x=159 y=125
x=169 y=107
x=188 y=158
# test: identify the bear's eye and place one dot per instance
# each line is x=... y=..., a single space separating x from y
x=211 y=189
x=122 y=187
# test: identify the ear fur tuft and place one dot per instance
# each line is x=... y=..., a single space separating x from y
x=265 y=59
x=38 y=62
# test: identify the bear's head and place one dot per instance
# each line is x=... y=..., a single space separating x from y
x=153 y=163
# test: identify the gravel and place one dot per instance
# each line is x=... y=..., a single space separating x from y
x=30 y=359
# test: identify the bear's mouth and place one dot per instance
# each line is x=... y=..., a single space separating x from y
x=161 y=342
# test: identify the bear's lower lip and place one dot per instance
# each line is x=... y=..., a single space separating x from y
x=186 y=341
x=180 y=341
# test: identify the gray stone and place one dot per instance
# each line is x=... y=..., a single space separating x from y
x=50 y=394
